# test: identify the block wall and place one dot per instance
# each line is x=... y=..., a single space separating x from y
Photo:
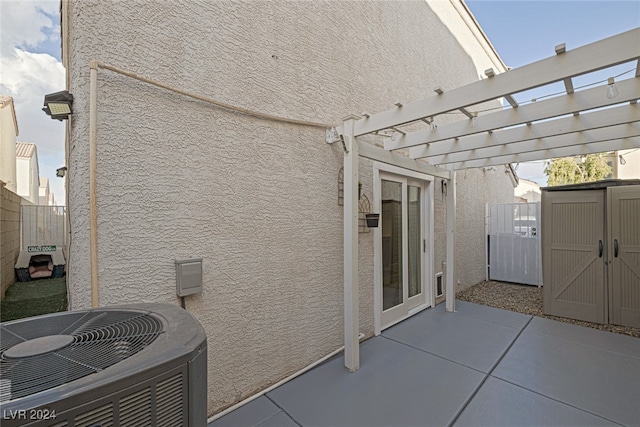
x=9 y=236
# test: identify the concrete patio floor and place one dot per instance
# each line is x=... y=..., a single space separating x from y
x=480 y=366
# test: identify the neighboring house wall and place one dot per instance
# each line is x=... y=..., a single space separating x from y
x=631 y=167
x=43 y=191
x=27 y=171
x=528 y=190
x=8 y=133
x=460 y=21
x=9 y=236
x=256 y=199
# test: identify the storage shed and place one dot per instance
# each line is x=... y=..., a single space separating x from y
x=591 y=251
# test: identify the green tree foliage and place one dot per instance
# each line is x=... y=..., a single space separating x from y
x=574 y=170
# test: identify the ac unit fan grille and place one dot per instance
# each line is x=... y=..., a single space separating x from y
x=101 y=338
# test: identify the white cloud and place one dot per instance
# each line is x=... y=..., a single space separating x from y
x=23 y=22
x=27 y=77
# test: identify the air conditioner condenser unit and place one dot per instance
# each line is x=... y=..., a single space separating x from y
x=131 y=365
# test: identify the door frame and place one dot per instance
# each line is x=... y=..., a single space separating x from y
x=427 y=222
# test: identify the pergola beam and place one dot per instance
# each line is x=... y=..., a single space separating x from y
x=574 y=150
x=450 y=224
x=378 y=154
x=524 y=137
x=629 y=90
x=550 y=144
x=351 y=271
x=601 y=54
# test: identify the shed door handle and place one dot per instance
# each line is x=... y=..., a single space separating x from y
x=615 y=248
x=600 y=248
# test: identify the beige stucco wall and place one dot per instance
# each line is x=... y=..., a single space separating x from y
x=256 y=199
x=9 y=236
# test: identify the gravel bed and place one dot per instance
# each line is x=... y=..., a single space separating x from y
x=527 y=300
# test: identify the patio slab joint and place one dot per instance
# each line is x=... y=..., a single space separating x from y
x=488 y=374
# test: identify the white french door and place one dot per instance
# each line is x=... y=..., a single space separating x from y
x=402 y=271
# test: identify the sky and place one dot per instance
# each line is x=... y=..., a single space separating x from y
x=522 y=32
x=30 y=68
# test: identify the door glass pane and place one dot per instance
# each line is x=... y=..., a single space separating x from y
x=391 y=244
x=414 y=239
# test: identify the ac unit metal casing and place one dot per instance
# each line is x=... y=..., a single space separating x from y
x=130 y=365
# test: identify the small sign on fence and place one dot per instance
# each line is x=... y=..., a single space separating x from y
x=50 y=248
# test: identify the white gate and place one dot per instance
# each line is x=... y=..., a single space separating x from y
x=514 y=243
x=43 y=225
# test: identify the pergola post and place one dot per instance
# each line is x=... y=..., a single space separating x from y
x=351 y=315
x=450 y=303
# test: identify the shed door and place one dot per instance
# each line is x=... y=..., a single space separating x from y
x=573 y=230
x=624 y=250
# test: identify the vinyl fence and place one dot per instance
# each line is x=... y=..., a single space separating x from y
x=43 y=226
x=514 y=243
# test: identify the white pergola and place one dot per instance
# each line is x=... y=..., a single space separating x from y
x=550 y=128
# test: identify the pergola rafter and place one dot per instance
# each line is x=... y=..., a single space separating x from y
x=574 y=150
x=574 y=130
x=589 y=99
x=512 y=153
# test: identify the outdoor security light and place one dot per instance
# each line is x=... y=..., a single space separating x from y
x=58 y=105
x=60 y=172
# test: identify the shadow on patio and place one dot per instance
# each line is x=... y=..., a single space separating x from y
x=480 y=366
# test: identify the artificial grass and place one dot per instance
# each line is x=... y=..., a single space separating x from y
x=27 y=299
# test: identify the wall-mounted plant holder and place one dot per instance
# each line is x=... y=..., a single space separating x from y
x=372 y=219
x=364 y=207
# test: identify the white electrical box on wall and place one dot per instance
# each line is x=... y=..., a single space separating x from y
x=188 y=276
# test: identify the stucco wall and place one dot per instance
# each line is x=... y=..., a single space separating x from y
x=256 y=199
x=9 y=236
x=475 y=189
